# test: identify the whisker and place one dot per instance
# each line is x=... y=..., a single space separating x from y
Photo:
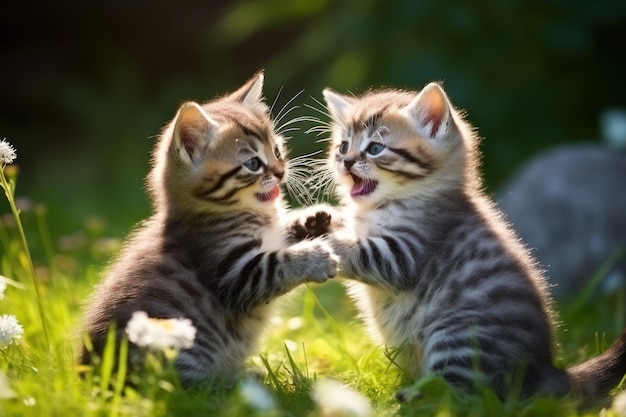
x=311 y=178
x=308 y=155
x=291 y=129
x=323 y=127
x=323 y=110
x=297 y=189
x=319 y=131
x=276 y=99
x=300 y=119
x=320 y=180
x=281 y=129
x=320 y=125
x=382 y=139
x=282 y=113
x=297 y=194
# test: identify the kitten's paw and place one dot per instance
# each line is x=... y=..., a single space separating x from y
x=319 y=261
x=314 y=221
x=328 y=262
x=312 y=226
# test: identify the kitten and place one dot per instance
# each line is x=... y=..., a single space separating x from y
x=216 y=250
x=434 y=269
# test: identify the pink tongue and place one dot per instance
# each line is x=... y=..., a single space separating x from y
x=362 y=187
x=358 y=188
x=271 y=195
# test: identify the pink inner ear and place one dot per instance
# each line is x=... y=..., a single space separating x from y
x=436 y=118
x=434 y=112
x=188 y=139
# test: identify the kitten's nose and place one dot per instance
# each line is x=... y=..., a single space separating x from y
x=348 y=162
x=279 y=174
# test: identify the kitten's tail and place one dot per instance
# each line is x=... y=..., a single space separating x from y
x=593 y=380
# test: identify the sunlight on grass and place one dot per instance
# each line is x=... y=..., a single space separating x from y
x=7 y=156
x=315 y=359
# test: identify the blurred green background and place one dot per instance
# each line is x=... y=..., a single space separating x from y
x=86 y=86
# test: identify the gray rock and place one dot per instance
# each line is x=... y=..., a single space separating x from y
x=569 y=205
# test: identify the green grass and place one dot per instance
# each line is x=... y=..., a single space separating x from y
x=317 y=336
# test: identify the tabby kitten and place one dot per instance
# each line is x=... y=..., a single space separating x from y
x=216 y=250
x=434 y=269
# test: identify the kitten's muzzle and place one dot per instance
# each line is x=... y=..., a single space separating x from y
x=279 y=174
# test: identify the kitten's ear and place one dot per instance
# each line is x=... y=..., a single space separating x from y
x=337 y=104
x=431 y=111
x=251 y=93
x=191 y=131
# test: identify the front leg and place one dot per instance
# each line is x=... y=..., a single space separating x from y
x=267 y=275
x=381 y=261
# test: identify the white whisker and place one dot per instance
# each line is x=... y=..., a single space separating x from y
x=297 y=189
x=291 y=129
x=282 y=113
x=276 y=99
x=305 y=156
x=322 y=127
x=281 y=129
x=323 y=110
x=310 y=179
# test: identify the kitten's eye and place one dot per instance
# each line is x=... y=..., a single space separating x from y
x=253 y=164
x=276 y=152
x=343 y=148
x=375 y=148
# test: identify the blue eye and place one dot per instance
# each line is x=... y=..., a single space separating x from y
x=375 y=148
x=253 y=164
x=276 y=152
x=343 y=148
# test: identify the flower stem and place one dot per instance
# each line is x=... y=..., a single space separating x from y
x=9 y=189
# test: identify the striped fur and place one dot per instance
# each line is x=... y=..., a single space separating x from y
x=216 y=250
x=434 y=268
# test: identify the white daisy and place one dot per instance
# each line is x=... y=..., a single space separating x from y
x=10 y=330
x=7 y=152
x=5 y=388
x=256 y=395
x=160 y=334
x=335 y=399
x=3 y=287
x=619 y=404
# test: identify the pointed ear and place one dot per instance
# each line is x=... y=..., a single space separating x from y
x=251 y=93
x=192 y=130
x=337 y=104
x=431 y=111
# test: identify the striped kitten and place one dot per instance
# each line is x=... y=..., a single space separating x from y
x=216 y=250
x=434 y=268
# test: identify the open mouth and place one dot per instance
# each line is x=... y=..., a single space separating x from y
x=269 y=196
x=362 y=186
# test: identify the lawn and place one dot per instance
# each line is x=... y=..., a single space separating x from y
x=315 y=356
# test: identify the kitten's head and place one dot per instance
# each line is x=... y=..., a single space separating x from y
x=222 y=155
x=392 y=144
